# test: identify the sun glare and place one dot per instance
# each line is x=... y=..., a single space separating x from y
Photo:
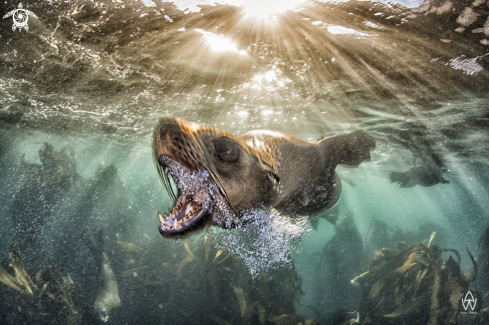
x=265 y=8
x=333 y=29
x=219 y=43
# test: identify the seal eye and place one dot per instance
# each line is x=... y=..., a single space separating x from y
x=227 y=150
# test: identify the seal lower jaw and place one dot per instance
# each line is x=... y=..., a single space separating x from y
x=190 y=212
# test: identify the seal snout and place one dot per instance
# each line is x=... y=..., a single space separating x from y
x=169 y=128
x=165 y=137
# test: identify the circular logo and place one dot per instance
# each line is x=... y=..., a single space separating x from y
x=20 y=17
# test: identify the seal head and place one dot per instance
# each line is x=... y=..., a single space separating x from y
x=219 y=177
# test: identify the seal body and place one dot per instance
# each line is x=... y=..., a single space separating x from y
x=425 y=172
x=108 y=292
x=220 y=177
x=108 y=297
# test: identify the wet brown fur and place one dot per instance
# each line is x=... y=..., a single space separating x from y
x=273 y=169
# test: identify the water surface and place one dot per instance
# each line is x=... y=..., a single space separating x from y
x=83 y=88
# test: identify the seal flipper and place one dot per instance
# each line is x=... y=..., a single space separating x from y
x=331 y=215
x=348 y=149
x=403 y=179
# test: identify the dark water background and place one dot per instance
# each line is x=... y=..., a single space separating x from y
x=81 y=92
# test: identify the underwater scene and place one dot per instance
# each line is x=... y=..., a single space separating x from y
x=244 y=162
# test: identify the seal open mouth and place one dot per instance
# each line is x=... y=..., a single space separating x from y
x=192 y=202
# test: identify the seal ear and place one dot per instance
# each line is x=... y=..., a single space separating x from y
x=272 y=178
x=271 y=173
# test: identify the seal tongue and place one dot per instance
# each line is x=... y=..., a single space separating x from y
x=182 y=207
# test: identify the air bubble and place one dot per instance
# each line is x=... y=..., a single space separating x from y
x=264 y=241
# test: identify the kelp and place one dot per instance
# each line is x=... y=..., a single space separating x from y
x=292 y=320
x=45 y=297
x=216 y=283
x=412 y=286
x=340 y=260
x=481 y=281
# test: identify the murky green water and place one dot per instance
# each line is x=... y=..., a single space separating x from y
x=83 y=88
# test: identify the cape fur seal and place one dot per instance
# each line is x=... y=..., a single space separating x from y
x=425 y=172
x=220 y=177
x=108 y=291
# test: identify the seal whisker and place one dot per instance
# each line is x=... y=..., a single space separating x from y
x=166 y=183
x=171 y=193
x=216 y=180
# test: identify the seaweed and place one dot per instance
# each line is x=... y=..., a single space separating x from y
x=341 y=259
x=44 y=297
x=483 y=264
x=216 y=283
x=481 y=280
x=42 y=189
x=412 y=286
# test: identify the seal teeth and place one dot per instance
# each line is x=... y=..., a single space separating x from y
x=175 y=224
x=162 y=219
